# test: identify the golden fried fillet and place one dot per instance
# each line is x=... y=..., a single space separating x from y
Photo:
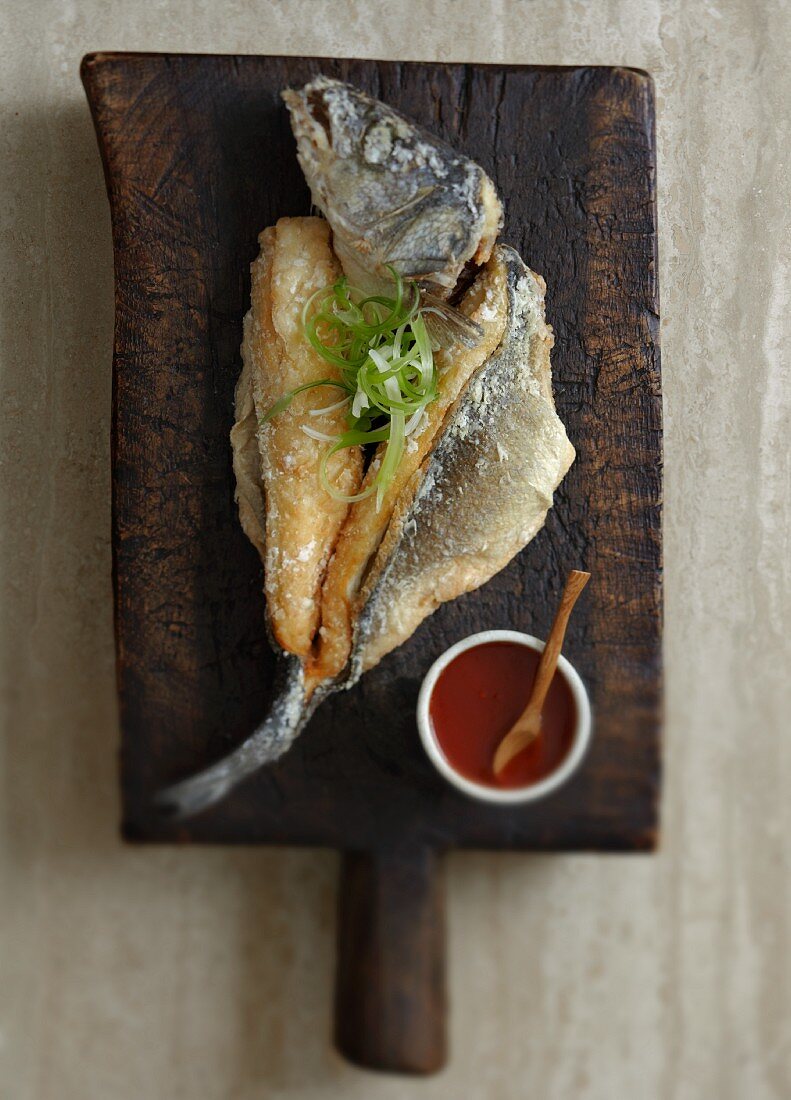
x=301 y=521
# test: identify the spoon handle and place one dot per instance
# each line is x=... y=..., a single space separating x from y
x=528 y=724
x=549 y=658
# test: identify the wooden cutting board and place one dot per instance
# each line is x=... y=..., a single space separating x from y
x=199 y=157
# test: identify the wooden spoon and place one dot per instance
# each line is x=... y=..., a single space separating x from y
x=528 y=725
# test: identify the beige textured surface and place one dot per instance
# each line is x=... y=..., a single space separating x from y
x=171 y=974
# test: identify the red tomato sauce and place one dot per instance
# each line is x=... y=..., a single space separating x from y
x=479 y=696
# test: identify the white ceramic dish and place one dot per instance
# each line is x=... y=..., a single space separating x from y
x=478 y=791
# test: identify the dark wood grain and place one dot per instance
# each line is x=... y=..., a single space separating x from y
x=199 y=157
x=390 y=985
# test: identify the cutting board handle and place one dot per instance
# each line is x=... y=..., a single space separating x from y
x=390 y=984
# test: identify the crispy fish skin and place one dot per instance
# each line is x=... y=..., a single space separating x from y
x=483 y=492
x=392 y=192
x=301 y=520
x=486 y=303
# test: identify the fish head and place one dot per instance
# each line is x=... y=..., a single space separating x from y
x=394 y=195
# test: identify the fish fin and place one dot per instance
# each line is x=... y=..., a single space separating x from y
x=448 y=325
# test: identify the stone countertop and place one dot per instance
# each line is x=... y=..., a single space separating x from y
x=201 y=973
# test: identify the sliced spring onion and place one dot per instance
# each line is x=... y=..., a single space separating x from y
x=384 y=355
x=314 y=434
x=414 y=422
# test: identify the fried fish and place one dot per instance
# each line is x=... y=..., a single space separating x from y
x=479 y=495
x=393 y=193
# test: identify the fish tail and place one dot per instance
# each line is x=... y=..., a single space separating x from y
x=287 y=717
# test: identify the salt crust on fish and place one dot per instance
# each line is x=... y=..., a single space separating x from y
x=392 y=192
